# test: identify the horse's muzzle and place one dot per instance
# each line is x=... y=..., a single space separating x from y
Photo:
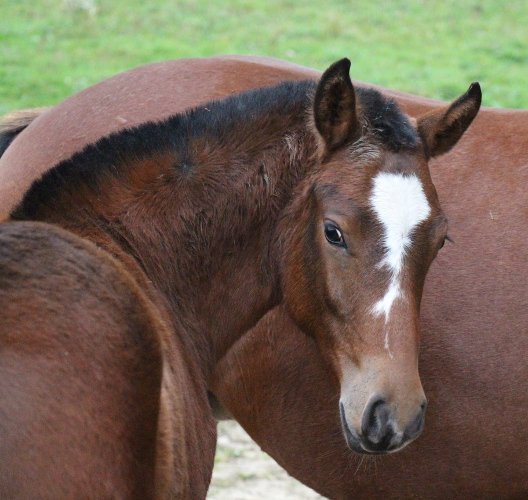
x=379 y=433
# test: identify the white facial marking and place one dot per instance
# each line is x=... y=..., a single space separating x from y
x=399 y=202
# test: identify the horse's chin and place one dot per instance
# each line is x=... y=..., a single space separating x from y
x=356 y=445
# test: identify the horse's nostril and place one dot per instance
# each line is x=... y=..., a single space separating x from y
x=352 y=438
x=416 y=427
x=378 y=434
x=343 y=417
x=376 y=426
x=378 y=415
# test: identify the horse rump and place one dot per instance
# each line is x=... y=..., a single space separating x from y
x=80 y=370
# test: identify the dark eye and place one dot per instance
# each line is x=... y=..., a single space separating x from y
x=333 y=234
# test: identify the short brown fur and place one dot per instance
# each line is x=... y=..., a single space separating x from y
x=80 y=365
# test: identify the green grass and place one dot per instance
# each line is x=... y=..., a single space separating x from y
x=50 y=50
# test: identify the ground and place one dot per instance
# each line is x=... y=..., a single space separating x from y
x=244 y=472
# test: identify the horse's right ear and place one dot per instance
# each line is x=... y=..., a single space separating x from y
x=335 y=106
x=440 y=130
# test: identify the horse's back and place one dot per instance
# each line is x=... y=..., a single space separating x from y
x=80 y=371
x=147 y=93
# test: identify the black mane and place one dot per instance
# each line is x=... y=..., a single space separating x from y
x=105 y=158
x=386 y=121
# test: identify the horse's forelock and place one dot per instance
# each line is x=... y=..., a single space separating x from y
x=386 y=121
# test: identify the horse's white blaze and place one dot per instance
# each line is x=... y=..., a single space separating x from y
x=400 y=204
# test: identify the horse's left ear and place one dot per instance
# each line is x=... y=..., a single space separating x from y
x=440 y=130
x=335 y=106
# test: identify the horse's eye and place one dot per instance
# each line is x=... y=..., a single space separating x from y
x=333 y=234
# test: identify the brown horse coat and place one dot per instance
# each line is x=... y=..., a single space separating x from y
x=80 y=370
x=474 y=311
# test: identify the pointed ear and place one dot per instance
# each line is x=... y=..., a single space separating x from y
x=440 y=130
x=335 y=106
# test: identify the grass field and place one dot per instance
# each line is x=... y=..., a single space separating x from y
x=53 y=48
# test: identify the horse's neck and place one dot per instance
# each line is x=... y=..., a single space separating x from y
x=214 y=258
x=205 y=244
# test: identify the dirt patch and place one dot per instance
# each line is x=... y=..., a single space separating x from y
x=244 y=472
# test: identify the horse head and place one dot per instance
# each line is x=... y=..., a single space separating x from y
x=363 y=229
